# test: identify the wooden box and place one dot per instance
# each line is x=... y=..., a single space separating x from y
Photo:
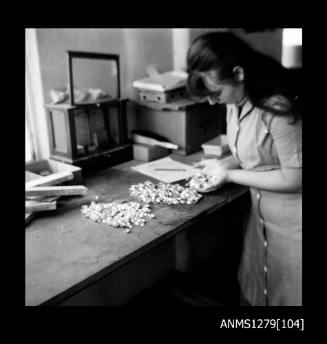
x=49 y=166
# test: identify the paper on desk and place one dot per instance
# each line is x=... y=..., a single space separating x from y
x=166 y=176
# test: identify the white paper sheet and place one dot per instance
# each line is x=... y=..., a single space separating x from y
x=166 y=170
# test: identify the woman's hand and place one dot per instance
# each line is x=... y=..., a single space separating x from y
x=216 y=172
x=218 y=181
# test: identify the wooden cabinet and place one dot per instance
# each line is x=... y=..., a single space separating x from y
x=80 y=134
x=91 y=126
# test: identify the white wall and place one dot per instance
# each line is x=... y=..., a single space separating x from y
x=182 y=39
x=137 y=49
x=267 y=42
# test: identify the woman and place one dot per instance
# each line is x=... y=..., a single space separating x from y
x=264 y=130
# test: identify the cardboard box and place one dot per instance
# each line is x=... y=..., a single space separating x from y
x=148 y=153
x=184 y=123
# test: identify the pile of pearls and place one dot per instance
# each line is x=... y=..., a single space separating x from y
x=202 y=181
x=149 y=192
x=118 y=214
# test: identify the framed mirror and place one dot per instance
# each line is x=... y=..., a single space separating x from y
x=93 y=77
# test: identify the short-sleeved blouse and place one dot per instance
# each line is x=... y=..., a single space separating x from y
x=261 y=140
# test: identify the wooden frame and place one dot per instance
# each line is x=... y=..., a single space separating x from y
x=71 y=155
x=88 y=55
x=52 y=179
x=40 y=192
x=56 y=190
x=32 y=171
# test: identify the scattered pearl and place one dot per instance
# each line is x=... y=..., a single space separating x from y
x=151 y=193
x=118 y=214
x=202 y=181
x=132 y=213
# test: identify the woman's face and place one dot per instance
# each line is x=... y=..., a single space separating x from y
x=223 y=92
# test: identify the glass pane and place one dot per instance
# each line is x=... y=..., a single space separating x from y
x=91 y=131
x=60 y=142
x=94 y=80
x=114 y=127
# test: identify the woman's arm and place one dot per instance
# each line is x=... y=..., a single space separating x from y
x=207 y=165
x=230 y=163
x=283 y=180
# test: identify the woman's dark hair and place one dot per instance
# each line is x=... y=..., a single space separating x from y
x=264 y=77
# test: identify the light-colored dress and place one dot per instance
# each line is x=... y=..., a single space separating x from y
x=270 y=272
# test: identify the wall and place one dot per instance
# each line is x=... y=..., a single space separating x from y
x=267 y=42
x=182 y=39
x=144 y=47
x=137 y=48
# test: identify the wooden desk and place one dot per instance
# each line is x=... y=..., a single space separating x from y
x=71 y=260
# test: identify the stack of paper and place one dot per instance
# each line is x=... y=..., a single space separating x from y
x=166 y=170
x=162 y=82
